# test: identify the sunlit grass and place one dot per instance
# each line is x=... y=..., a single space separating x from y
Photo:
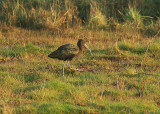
x=122 y=76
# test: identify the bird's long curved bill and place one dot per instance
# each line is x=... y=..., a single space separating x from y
x=88 y=49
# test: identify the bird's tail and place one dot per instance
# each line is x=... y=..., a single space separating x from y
x=49 y=55
x=53 y=55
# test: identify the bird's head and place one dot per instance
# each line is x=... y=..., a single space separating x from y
x=81 y=44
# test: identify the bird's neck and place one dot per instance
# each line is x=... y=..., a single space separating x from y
x=80 y=51
x=80 y=47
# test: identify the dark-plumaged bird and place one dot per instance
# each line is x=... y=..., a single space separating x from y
x=67 y=52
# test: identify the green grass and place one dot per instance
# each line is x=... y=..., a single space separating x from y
x=18 y=50
x=122 y=78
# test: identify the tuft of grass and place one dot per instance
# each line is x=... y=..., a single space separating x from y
x=10 y=80
x=154 y=49
x=134 y=16
x=36 y=14
x=137 y=107
x=58 y=85
x=97 y=21
x=138 y=49
x=130 y=72
x=19 y=50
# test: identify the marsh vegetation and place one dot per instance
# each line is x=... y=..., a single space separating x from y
x=123 y=76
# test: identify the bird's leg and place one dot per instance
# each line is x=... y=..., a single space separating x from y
x=73 y=68
x=69 y=65
x=63 y=67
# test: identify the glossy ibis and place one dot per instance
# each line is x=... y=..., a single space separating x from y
x=67 y=52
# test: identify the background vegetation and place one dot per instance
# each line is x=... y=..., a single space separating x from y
x=123 y=76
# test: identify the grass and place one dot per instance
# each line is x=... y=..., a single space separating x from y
x=121 y=78
x=57 y=15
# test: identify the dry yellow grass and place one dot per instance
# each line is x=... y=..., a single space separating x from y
x=114 y=79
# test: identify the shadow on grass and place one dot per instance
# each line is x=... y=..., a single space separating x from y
x=31 y=78
x=139 y=74
x=107 y=54
x=110 y=57
x=58 y=107
x=104 y=51
x=19 y=50
x=94 y=105
x=80 y=83
x=29 y=88
x=88 y=78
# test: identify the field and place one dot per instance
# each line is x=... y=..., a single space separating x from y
x=122 y=76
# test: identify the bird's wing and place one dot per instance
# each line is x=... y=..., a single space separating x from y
x=69 y=49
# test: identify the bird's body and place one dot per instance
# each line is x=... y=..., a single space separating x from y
x=67 y=52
